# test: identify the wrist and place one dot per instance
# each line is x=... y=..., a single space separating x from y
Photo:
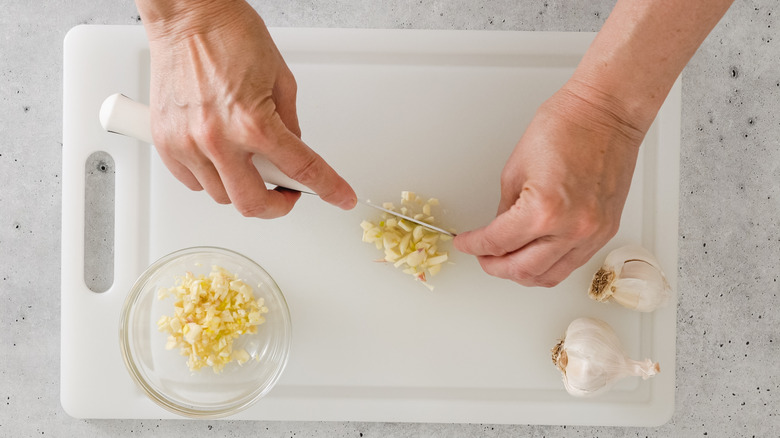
x=640 y=51
x=633 y=100
x=599 y=110
x=169 y=18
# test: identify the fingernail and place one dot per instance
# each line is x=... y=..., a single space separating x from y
x=348 y=204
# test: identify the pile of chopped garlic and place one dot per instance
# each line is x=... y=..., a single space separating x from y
x=209 y=314
x=409 y=246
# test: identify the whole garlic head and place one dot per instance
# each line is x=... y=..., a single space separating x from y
x=633 y=278
x=592 y=359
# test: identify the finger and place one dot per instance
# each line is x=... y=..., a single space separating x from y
x=509 y=231
x=508 y=198
x=195 y=171
x=514 y=180
x=510 y=195
x=285 y=94
x=299 y=162
x=208 y=177
x=527 y=265
x=293 y=194
x=180 y=172
x=565 y=266
x=248 y=192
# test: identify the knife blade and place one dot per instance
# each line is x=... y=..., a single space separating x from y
x=407 y=218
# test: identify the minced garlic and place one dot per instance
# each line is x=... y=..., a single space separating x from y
x=209 y=314
x=409 y=246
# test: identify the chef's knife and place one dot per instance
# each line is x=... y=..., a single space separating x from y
x=122 y=115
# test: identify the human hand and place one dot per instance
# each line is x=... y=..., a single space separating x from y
x=564 y=186
x=562 y=191
x=220 y=93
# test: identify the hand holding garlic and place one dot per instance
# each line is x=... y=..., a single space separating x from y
x=592 y=359
x=562 y=193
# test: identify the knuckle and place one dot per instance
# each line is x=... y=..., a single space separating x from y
x=222 y=199
x=507 y=178
x=521 y=273
x=546 y=282
x=188 y=149
x=521 y=276
x=169 y=146
x=490 y=268
x=259 y=210
x=251 y=127
x=492 y=246
x=162 y=135
x=209 y=143
x=586 y=226
x=329 y=194
x=548 y=213
x=524 y=282
x=207 y=135
x=307 y=171
x=255 y=126
x=515 y=272
x=289 y=83
x=591 y=225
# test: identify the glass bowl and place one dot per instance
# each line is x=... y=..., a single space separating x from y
x=164 y=374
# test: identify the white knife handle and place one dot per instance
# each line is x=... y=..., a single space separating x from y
x=123 y=115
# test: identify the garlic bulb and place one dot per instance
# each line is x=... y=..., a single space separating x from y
x=632 y=277
x=592 y=359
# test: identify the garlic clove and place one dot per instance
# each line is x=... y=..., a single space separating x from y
x=637 y=279
x=631 y=276
x=408 y=246
x=591 y=359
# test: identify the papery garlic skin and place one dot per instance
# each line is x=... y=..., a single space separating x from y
x=591 y=359
x=632 y=277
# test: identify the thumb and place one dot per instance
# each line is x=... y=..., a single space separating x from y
x=510 y=230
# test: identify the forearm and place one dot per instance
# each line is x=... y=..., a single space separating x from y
x=640 y=51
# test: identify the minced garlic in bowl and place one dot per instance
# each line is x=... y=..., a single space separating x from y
x=205 y=332
x=210 y=312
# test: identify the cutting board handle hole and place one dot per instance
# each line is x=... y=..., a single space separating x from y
x=99 y=214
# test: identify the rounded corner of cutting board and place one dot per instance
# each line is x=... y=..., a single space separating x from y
x=76 y=35
x=84 y=35
x=662 y=416
x=70 y=405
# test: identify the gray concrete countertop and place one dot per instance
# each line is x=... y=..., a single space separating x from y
x=728 y=333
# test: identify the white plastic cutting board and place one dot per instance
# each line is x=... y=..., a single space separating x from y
x=436 y=112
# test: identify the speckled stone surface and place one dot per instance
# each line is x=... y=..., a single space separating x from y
x=728 y=339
